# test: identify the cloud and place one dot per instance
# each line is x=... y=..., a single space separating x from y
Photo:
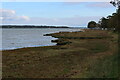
x=85 y=0
x=55 y=0
x=7 y=13
x=68 y=21
x=10 y=15
x=100 y=5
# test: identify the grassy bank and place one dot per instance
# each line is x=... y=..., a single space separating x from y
x=88 y=54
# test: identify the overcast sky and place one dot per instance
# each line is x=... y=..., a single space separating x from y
x=54 y=13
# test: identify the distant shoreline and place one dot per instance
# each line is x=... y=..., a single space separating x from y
x=33 y=26
x=30 y=26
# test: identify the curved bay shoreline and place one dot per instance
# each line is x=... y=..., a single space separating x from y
x=88 y=54
x=29 y=37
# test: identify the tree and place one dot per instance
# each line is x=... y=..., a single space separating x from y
x=111 y=22
x=103 y=23
x=92 y=24
x=116 y=3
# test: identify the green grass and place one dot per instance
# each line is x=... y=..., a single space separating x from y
x=104 y=68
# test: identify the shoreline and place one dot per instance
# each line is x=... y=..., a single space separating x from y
x=72 y=57
x=41 y=45
x=25 y=47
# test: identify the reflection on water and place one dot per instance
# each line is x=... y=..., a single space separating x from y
x=19 y=38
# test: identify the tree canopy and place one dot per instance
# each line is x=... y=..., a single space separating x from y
x=92 y=24
x=111 y=21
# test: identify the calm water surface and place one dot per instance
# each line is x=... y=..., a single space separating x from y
x=19 y=38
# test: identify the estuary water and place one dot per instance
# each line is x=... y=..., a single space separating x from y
x=29 y=37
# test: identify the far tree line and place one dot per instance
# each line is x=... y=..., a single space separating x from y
x=31 y=26
x=111 y=22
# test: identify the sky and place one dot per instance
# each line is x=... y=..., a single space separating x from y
x=75 y=14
